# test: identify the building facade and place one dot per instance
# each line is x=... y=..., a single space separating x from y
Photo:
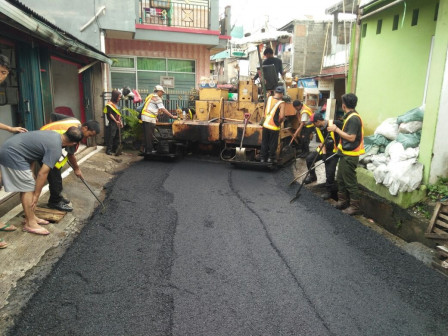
x=399 y=62
x=51 y=70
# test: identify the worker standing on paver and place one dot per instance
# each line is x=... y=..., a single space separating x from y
x=274 y=116
x=153 y=106
x=16 y=158
x=61 y=125
x=350 y=147
x=304 y=115
x=325 y=153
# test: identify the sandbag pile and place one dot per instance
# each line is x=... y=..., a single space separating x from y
x=392 y=152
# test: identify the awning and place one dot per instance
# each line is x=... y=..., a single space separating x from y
x=50 y=34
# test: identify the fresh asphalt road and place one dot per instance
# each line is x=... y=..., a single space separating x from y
x=201 y=248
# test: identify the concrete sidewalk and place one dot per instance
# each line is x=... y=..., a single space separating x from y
x=29 y=257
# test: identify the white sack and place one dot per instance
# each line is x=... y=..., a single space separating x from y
x=388 y=128
x=410 y=127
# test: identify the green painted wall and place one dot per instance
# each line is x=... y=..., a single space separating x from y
x=434 y=112
x=393 y=64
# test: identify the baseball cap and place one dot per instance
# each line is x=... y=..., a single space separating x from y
x=280 y=89
x=159 y=88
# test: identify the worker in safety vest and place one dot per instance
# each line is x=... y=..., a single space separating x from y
x=273 y=118
x=153 y=106
x=350 y=147
x=304 y=115
x=113 y=122
x=88 y=129
x=324 y=153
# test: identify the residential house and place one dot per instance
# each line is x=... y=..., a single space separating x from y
x=52 y=70
x=150 y=42
x=332 y=78
x=400 y=62
x=304 y=52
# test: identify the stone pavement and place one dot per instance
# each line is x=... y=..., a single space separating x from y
x=29 y=257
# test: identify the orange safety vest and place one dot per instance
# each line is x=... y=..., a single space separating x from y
x=321 y=137
x=146 y=112
x=307 y=110
x=271 y=107
x=113 y=107
x=358 y=150
x=61 y=126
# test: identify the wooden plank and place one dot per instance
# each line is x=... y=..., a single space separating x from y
x=442 y=250
x=441 y=223
x=54 y=211
x=441 y=215
x=439 y=267
x=439 y=231
x=434 y=217
x=436 y=236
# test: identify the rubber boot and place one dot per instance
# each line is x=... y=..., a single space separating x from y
x=343 y=201
x=353 y=209
x=334 y=195
x=326 y=195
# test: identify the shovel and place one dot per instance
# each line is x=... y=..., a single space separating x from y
x=103 y=210
x=120 y=146
x=241 y=152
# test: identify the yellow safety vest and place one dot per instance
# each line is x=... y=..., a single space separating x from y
x=144 y=111
x=273 y=105
x=321 y=137
x=307 y=110
x=61 y=126
x=113 y=107
x=358 y=150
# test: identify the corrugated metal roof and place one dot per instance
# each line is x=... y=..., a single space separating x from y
x=66 y=36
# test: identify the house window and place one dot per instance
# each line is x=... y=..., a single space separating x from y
x=436 y=14
x=123 y=62
x=414 y=17
x=395 y=23
x=379 y=25
x=143 y=73
x=364 y=30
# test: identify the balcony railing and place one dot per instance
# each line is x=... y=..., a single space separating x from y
x=175 y=14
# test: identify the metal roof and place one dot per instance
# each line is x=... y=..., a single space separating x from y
x=32 y=21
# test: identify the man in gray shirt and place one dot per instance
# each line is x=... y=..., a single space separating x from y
x=16 y=156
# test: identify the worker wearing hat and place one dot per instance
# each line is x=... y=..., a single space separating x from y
x=273 y=118
x=324 y=153
x=153 y=106
x=304 y=115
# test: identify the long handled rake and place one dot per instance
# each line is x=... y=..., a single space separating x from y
x=309 y=170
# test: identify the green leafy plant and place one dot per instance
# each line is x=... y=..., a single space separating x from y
x=439 y=190
x=422 y=209
x=133 y=131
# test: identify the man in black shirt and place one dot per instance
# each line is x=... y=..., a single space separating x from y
x=270 y=59
x=350 y=147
